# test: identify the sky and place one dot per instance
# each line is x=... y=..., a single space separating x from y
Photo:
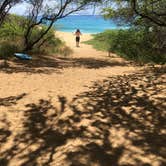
x=20 y=9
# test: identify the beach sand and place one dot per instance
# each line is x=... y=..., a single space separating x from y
x=84 y=66
x=36 y=98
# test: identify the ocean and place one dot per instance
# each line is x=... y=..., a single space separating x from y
x=86 y=23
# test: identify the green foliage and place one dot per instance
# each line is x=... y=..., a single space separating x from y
x=13 y=28
x=146 y=40
x=7 y=49
x=130 y=11
x=12 y=38
x=49 y=43
x=11 y=33
x=137 y=45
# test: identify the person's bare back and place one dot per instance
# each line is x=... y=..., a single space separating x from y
x=77 y=34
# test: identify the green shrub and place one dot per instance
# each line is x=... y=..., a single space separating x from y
x=13 y=28
x=137 y=45
x=7 y=50
x=64 y=50
x=12 y=37
x=49 y=44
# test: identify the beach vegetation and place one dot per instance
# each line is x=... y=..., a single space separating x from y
x=145 y=39
x=134 y=11
x=12 y=38
x=132 y=44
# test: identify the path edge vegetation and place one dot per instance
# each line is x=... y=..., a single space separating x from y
x=137 y=46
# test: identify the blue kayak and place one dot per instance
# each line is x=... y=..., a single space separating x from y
x=23 y=56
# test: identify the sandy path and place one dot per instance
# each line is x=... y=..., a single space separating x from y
x=38 y=128
x=84 y=50
x=67 y=81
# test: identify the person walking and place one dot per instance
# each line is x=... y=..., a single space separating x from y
x=77 y=34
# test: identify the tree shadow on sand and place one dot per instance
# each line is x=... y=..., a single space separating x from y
x=128 y=114
x=48 y=64
x=40 y=136
x=5 y=133
x=120 y=121
x=12 y=100
x=39 y=64
x=93 y=63
x=5 y=124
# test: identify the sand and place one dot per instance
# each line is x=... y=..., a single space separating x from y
x=57 y=111
x=90 y=66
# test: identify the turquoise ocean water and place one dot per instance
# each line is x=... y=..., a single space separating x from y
x=86 y=23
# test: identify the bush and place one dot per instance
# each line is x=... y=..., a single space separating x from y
x=64 y=50
x=12 y=37
x=13 y=28
x=50 y=44
x=7 y=50
x=137 y=45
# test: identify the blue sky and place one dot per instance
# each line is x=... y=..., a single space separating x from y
x=20 y=9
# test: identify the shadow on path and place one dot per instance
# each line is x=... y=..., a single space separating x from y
x=48 y=65
x=120 y=121
x=12 y=100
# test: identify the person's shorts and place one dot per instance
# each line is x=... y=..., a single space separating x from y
x=77 y=39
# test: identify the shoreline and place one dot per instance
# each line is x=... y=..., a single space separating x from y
x=89 y=33
x=92 y=24
x=64 y=32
